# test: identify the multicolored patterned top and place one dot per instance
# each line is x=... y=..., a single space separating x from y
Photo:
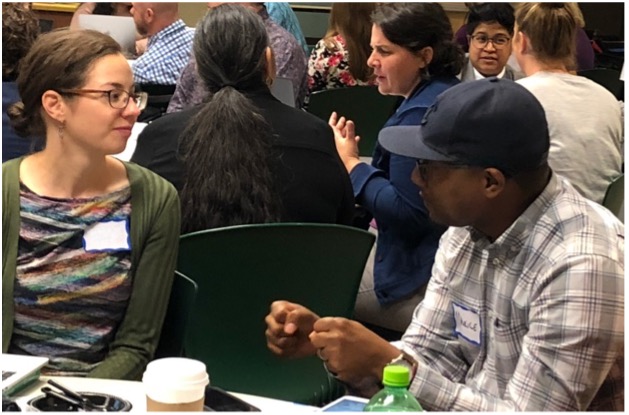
x=72 y=285
x=329 y=69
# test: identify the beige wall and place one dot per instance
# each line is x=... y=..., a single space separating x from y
x=457 y=18
x=192 y=12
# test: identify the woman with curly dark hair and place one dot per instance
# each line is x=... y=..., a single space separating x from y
x=414 y=57
x=20 y=28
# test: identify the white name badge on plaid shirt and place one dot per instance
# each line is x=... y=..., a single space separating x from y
x=467 y=324
x=107 y=236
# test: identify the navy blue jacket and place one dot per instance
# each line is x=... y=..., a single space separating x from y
x=407 y=238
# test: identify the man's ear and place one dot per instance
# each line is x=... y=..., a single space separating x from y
x=54 y=105
x=495 y=182
x=149 y=15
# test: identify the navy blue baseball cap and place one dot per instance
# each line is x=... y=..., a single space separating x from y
x=487 y=123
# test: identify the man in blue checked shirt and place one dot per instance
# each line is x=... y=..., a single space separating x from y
x=524 y=310
x=169 y=43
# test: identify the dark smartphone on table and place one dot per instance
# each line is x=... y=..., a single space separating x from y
x=216 y=399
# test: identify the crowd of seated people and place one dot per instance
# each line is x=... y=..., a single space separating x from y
x=481 y=190
x=290 y=63
x=242 y=156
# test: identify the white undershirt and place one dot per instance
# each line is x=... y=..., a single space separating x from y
x=478 y=75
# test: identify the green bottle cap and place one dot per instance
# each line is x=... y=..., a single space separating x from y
x=395 y=375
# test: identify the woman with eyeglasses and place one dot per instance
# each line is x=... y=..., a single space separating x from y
x=89 y=243
x=413 y=56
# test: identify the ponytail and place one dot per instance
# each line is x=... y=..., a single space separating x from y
x=226 y=150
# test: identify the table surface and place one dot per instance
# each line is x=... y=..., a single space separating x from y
x=134 y=393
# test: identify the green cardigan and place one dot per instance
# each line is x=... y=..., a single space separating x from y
x=155 y=228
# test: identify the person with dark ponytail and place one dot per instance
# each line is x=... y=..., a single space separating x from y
x=89 y=243
x=414 y=56
x=242 y=156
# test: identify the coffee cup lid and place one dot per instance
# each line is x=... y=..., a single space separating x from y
x=175 y=380
x=178 y=369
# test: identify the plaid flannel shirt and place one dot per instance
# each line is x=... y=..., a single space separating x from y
x=167 y=52
x=548 y=298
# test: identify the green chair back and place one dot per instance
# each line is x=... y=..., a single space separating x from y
x=614 y=199
x=240 y=271
x=362 y=104
x=182 y=297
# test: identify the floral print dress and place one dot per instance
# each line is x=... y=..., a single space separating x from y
x=329 y=69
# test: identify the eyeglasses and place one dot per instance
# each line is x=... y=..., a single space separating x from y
x=480 y=40
x=118 y=98
x=424 y=165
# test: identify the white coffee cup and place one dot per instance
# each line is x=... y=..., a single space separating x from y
x=175 y=384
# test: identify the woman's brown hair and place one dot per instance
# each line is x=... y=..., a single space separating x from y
x=353 y=22
x=60 y=59
x=552 y=30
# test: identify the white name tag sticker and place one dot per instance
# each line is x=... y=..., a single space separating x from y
x=109 y=236
x=467 y=324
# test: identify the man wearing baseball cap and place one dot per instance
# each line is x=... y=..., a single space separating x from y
x=525 y=306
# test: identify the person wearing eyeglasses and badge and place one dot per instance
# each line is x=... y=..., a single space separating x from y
x=89 y=243
x=490 y=29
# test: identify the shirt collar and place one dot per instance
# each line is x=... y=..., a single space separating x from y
x=514 y=238
x=478 y=75
x=175 y=26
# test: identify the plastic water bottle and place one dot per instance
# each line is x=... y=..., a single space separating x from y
x=395 y=396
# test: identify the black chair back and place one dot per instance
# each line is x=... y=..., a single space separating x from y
x=159 y=98
x=608 y=78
